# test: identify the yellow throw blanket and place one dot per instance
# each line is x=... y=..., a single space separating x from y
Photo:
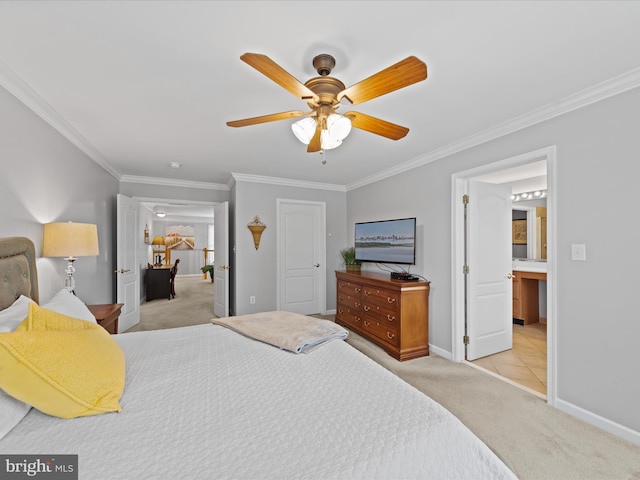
x=285 y=330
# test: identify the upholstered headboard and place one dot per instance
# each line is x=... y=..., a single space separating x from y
x=18 y=274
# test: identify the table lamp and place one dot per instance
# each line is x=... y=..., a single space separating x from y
x=70 y=240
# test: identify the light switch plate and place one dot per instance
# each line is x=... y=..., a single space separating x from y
x=578 y=251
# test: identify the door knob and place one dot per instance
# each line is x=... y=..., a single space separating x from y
x=122 y=270
x=317 y=265
x=510 y=276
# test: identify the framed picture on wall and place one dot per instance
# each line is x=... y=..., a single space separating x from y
x=519 y=232
x=180 y=237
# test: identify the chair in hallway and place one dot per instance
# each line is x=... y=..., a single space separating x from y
x=174 y=272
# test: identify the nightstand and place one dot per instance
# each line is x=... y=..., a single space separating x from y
x=107 y=315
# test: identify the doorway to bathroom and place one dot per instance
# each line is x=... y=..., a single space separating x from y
x=530 y=357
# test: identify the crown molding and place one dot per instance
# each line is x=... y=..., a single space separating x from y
x=609 y=88
x=173 y=183
x=242 y=177
x=23 y=92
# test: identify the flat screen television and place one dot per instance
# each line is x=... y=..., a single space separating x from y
x=386 y=241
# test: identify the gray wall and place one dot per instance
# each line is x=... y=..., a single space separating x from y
x=597 y=175
x=44 y=178
x=255 y=270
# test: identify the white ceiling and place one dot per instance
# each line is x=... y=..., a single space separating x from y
x=140 y=84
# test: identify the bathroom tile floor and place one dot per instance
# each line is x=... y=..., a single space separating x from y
x=526 y=363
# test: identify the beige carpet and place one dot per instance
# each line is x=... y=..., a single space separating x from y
x=537 y=441
x=193 y=305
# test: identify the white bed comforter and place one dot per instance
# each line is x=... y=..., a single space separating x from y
x=205 y=402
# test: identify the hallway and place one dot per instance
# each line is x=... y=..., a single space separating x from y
x=526 y=363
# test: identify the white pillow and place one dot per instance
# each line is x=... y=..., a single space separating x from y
x=13 y=316
x=68 y=304
x=11 y=412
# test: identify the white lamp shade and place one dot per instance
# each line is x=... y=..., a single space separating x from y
x=339 y=126
x=70 y=240
x=304 y=129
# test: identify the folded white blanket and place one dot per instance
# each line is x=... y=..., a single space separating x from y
x=285 y=330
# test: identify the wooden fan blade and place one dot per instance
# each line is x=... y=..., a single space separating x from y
x=377 y=126
x=265 y=118
x=404 y=73
x=314 y=144
x=275 y=72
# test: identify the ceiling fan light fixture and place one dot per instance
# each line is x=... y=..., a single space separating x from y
x=327 y=141
x=304 y=129
x=338 y=126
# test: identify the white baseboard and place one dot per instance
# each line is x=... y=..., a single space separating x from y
x=331 y=312
x=440 y=352
x=598 y=421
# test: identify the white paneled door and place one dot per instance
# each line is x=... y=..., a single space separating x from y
x=489 y=302
x=301 y=257
x=127 y=272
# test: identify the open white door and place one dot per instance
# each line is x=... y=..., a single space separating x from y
x=301 y=257
x=128 y=277
x=221 y=271
x=489 y=303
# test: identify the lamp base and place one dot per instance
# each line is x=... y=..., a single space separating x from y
x=69 y=281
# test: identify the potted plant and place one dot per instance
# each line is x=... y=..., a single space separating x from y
x=208 y=268
x=349 y=257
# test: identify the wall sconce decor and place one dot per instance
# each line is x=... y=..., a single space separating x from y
x=256 y=227
x=146 y=234
x=70 y=240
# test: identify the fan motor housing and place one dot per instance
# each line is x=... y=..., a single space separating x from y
x=326 y=88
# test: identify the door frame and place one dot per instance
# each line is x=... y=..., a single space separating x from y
x=458 y=183
x=322 y=284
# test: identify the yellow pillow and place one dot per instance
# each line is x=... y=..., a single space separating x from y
x=62 y=366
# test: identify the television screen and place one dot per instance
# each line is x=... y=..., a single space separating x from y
x=386 y=241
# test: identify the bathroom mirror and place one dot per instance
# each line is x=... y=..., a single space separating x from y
x=529 y=230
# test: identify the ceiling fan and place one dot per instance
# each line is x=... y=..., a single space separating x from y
x=323 y=128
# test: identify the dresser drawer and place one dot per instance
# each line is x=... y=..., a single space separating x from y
x=350 y=316
x=380 y=330
x=351 y=301
x=349 y=288
x=380 y=297
x=383 y=314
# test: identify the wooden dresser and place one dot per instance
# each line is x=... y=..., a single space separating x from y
x=393 y=314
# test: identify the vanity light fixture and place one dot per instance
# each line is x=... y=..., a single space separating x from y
x=519 y=197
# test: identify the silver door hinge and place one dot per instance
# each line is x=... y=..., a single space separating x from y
x=465 y=339
x=465 y=269
x=465 y=199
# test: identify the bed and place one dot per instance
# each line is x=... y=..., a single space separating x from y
x=207 y=402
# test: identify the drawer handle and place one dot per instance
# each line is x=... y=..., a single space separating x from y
x=390 y=318
x=357 y=319
x=358 y=290
x=342 y=284
x=367 y=293
x=357 y=304
x=340 y=310
x=366 y=324
x=390 y=300
x=390 y=335
x=367 y=308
